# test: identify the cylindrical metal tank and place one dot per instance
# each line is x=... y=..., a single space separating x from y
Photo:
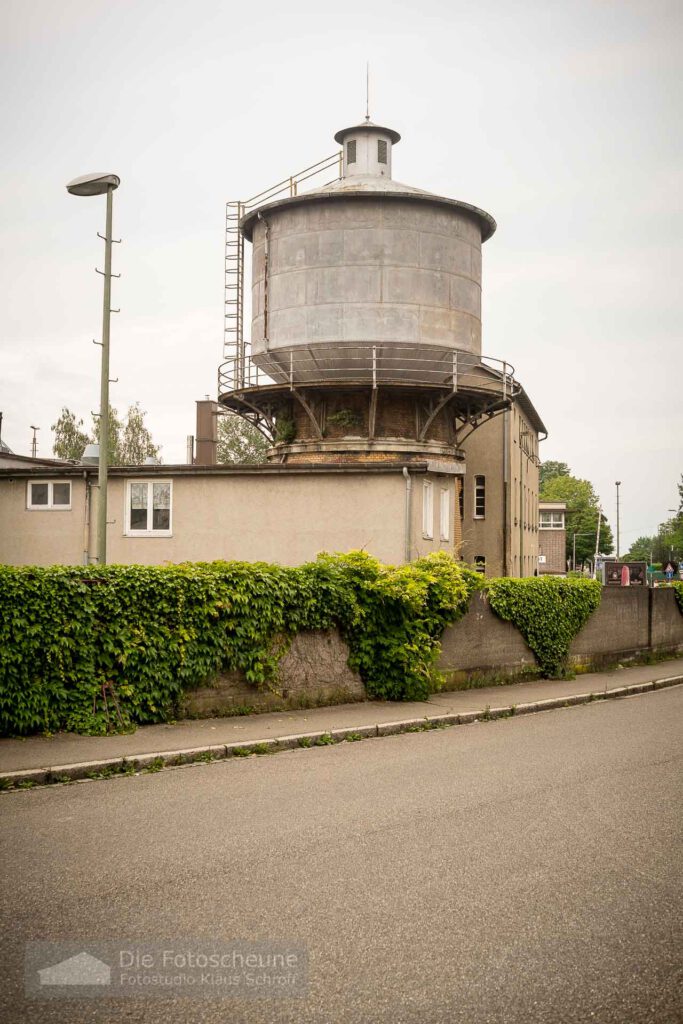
x=365 y=262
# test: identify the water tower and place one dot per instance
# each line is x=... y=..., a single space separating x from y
x=366 y=314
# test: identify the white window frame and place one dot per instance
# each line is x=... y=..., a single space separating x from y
x=128 y=531
x=50 y=506
x=556 y=520
x=428 y=510
x=477 y=487
x=445 y=514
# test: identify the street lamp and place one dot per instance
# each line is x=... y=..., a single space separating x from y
x=618 y=483
x=97 y=185
x=34 y=442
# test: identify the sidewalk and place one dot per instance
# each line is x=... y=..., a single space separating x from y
x=208 y=738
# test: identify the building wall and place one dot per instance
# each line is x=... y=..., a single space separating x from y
x=552 y=544
x=505 y=451
x=484 y=451
x=252 y=517
x=42 y=536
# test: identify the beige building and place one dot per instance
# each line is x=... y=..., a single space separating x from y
x=397 y=511
x=285 y=514
x=500 y=499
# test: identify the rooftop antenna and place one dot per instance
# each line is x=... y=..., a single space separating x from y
x=367 y=91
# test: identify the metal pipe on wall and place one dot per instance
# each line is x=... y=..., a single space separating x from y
x=506 y=488
x=408 y=509
x=86 y=519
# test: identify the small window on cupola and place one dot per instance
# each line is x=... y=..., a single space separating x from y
x=351 y=152
x=381 y=151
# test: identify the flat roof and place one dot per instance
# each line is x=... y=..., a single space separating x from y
x=260 y=469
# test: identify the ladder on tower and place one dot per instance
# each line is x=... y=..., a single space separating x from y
x=233 y=348
x=236 y=348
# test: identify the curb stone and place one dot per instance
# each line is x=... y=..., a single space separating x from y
x=117 y=767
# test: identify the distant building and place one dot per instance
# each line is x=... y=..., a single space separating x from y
x=552 y=538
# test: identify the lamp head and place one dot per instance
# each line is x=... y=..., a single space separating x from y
x=95 y=184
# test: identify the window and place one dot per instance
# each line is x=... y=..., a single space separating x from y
x=479 y=497
x=148 y=508
x=445 y=514
x=381 y=151
x=428 y=510
x=351 y=152
x=461 y=499
x=551 y=521
x=480 y=563
x=48 y=494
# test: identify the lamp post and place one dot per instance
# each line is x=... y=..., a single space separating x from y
x=618 y=483
x=97 y=185
x=597 y=543
x=34 y=442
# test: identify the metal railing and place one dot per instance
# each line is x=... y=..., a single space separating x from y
x=235 y=346
x=355 y=363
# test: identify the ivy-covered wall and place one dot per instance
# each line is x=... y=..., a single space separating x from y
x=95 y=649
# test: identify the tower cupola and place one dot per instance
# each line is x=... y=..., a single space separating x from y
x=367 y=150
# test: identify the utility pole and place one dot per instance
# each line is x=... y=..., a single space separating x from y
x=618 y=483
x=34 y=442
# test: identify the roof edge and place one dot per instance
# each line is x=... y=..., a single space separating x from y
x=486 y=221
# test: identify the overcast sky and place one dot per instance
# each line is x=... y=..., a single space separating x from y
x=560 y=119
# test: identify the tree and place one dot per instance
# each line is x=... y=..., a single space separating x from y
x=239 y=442
x=641 y=550
x=115 y=428
x=70 y=440
x=135 y=443
x=550 y=470
x=582 y=515
x=130 y=442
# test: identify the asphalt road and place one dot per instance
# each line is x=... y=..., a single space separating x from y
x=518 y=871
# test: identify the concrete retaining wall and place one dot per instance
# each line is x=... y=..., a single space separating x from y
x=620 y=626
x=666 y=621
x=313 y=672
x=481 y=642
x=481 y=647
x=628 y=623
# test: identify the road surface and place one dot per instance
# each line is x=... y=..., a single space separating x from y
x=512 y=872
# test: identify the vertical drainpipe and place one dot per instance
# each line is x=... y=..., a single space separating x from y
x=506 y=487
x=86 y=519
x=266 y=258
x=408 y=503
x=521 y=503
